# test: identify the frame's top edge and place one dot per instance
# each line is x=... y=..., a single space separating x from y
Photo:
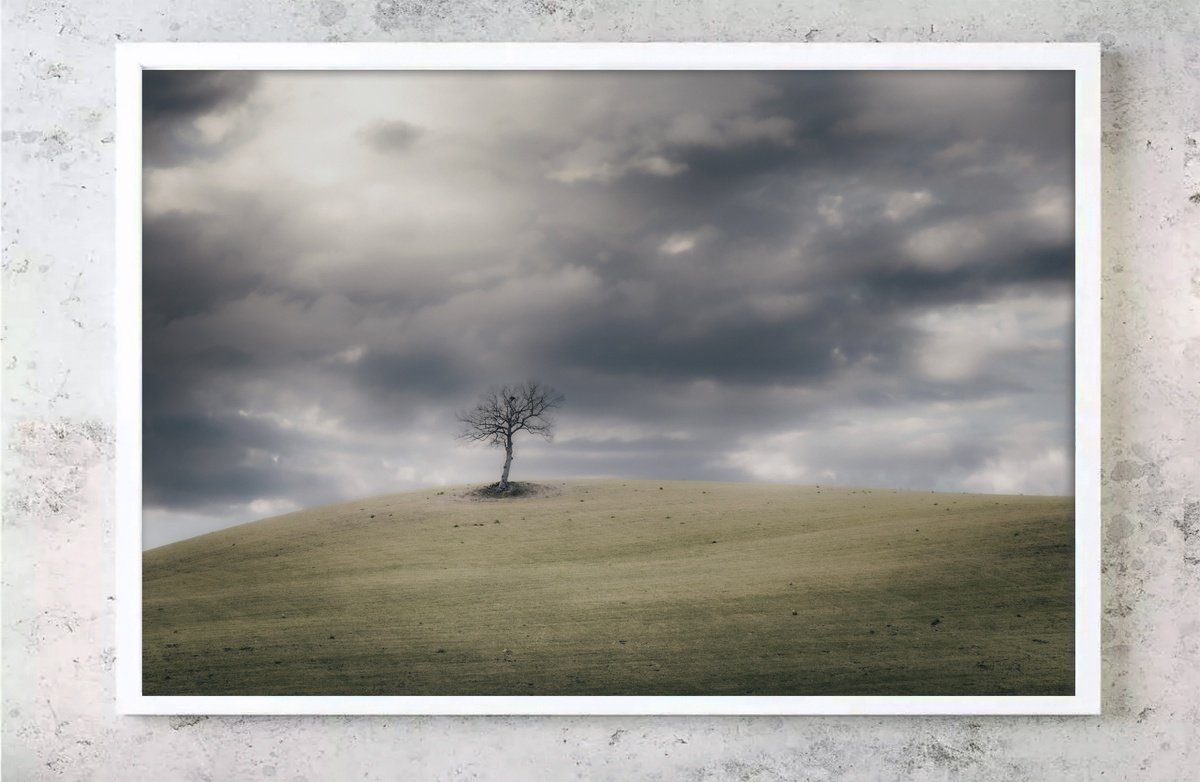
x=657 y=55
x=604 y=44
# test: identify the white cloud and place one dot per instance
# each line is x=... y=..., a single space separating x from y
x=272 y=506
x=604 y=160
x=678 y=243
x=778 y=458
x=571 y=173
x=830 y=210
x=906 y=204
x=1025 y=471
x=1051 y=213
x=658 y=166
x=948 y=245
x=580 y=170
x=293 y=412
x=939 y=445
x=684 y=242
x=349 y=355
x=216 y=127
x=960 y=340
x=1030 y=459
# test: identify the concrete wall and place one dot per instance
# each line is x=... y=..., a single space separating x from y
x=58 y=403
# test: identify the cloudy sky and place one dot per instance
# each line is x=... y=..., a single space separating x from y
x=808 y=277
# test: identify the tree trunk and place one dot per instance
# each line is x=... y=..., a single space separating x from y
x=507 y=463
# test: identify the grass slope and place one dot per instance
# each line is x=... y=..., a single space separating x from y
x=623 y=587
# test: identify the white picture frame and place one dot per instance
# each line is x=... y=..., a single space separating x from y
x=1082 y=59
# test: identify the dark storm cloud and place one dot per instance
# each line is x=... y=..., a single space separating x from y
x=852 y=277
x=175 y=95
x=739 y=348
x=193 y=263
x=172 y=101
x=398 y=376
x=218 y=473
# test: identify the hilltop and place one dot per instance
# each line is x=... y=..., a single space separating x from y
x=623 y=587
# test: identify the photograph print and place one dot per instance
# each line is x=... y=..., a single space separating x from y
x=608 y=383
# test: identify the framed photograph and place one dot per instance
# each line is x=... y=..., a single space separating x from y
x=608 y=378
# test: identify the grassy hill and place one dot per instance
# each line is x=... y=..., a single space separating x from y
x=623 y=587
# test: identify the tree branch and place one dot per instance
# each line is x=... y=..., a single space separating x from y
x=503 y=411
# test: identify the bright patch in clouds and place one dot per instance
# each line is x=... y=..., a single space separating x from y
x=947 y=246
x=273 y=506
x=902 y=206
x=349 y=355
x=870 y=449
x=658 y=166
x=1037 y=472
x=778 y=458
x=678 y=243
x=830 y=209
x=961 y=340
x=1051 y=209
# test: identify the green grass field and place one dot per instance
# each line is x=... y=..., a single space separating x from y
x=623 y=588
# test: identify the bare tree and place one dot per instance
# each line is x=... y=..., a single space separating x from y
x=504 y=411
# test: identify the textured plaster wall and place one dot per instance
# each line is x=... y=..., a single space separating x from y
x=58 y=632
